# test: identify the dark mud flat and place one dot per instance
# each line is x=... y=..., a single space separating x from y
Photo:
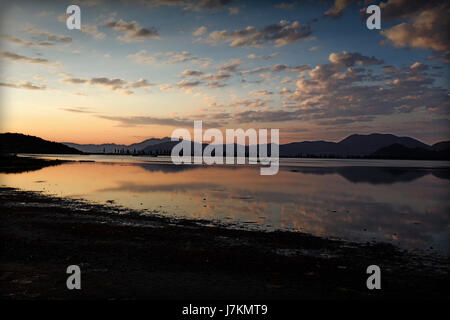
x=130 y=256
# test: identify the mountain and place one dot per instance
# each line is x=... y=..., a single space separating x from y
x=398 y=151
x=116 y=148
x=295 y=149
x=149 y=142
x=367 y=144
x=20 y=143
x=441 y=146
x=353 y=145
x=161 y=148
x=166 y=147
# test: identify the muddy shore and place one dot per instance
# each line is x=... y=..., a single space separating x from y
x=124 y=255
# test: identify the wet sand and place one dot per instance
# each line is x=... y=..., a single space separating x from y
x=124 y=255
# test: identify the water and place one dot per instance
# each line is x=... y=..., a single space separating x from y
x=402 y=202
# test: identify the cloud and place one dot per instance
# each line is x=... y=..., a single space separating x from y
x=216 y=77
x=337 y=8
x=350 y=59
x=401 y=9
x=191 y=73
x=280 y=34
x=50 y=37
x=277 y=68
x=426 y=28
x=230 y=66
x=441 y=57
x=186 y=84
x=17 y=57
x=216 y=80
x=186 y=5
x=249 y=103
x=132 y=121
x=283 y=67
x=198 y=32
x=88 y=3
x=234 y=10
x=261 y=93
x=114 y=84
x=252 y=116
x=270 y=56
x=142 y=57
x=177 y=57
x=344 y=121
x=34 y=43
x=286 y=5
x=141 y=83
x=132 y=31
x=24 y=85
x=110 y=83
x=17 y=41
x=170 y=57
x=211 y=80
x=165 y=87
x=75 y=80
x=418 y=67
x=185 y=56
x=93 y=31
x=255 y=70
x=76 y=109
x=346 y=89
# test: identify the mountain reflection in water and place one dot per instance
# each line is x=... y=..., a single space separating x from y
x=405 y=206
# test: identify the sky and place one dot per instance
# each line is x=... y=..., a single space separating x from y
x=142 y=68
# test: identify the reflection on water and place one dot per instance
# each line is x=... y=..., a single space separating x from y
x=406 y=206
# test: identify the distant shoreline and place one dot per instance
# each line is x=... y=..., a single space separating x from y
x=15 y=164
x=281 y=157
x=372 y=146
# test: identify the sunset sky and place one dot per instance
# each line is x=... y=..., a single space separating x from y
x=142 y=68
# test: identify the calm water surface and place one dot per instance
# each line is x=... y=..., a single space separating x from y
x=402 y=202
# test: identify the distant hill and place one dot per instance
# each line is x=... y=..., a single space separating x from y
x=354 y=145
x=398 y=151
x=163 y=147
x=367 y=144
x=441 y=146
x=20 y=143
x=116 y=148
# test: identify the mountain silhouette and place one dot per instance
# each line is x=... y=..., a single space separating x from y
x=441 y=146
x=116 y=148
x=398 y=151
x=20 y=143
x=355 y=145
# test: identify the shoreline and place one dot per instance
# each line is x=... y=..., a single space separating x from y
x=128 y=256
x=17 y=164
